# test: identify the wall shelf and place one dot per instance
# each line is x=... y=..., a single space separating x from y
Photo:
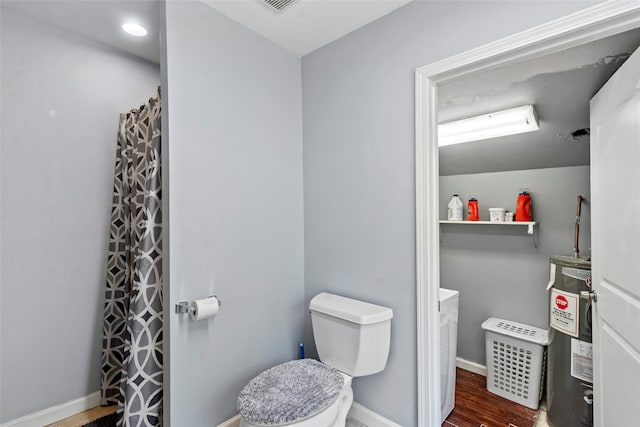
x=529 y=224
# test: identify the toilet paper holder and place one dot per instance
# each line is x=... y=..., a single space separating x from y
x=184 y=307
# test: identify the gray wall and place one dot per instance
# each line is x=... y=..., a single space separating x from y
x=235 y=206
x=61 y=96
x=358 y=104
x=498 y=270
x=235 y=195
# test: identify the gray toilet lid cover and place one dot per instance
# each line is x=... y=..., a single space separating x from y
x=289 y=392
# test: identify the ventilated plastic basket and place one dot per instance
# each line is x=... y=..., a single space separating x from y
x=516 y=356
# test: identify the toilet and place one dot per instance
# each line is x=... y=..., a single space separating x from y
x=352 y=338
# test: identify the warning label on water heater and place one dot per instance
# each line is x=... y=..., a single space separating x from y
x=564 y=312
x=582 y=360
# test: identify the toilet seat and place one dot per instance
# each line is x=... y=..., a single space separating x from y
x=290 y=392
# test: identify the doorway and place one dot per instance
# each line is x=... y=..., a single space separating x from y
x=589 y=25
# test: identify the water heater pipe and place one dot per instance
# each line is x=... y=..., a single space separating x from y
x=576 y=233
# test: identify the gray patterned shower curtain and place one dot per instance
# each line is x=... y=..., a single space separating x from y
x=132 y=333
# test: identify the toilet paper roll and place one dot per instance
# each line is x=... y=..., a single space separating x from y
x=204 y=308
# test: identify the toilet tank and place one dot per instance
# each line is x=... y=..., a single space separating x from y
x=351 y=335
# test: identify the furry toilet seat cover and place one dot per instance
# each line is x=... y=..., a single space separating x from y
x=289 y=392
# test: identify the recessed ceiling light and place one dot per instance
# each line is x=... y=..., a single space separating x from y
x=134 y=29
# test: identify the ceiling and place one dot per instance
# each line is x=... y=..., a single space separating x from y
x=301 y=28
x=100 y=20
x=306 y=25
x=559 y=86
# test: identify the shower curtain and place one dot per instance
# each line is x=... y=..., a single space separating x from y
x=132 y=333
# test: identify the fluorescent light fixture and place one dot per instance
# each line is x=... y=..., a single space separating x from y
x=134 y=29
x=492 y=125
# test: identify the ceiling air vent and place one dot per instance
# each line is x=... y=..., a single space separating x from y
x=278 y=6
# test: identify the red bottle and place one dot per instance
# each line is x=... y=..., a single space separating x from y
x=474 y=214
x=523 y=207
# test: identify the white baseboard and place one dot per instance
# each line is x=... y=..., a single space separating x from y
x=231 y=422
x=56 y=413
x=368 y=417
x=357 y=412
x=471 y=366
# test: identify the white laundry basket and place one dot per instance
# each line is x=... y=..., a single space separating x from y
x=516 y=356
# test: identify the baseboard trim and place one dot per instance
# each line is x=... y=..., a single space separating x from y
x=368 y=417
x=357 y=412
x=471 y=366
x=56 y=413
x=231 y=422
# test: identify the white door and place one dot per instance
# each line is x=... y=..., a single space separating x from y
x=615 y=193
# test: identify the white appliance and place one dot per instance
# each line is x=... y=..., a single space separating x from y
x=448 y=348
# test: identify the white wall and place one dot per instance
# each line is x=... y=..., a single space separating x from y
x=234 y=157
x=498 y=270
x=61 y=96
x=358 y=104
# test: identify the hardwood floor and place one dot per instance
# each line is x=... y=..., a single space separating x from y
x=476 y=407
x=85 y=417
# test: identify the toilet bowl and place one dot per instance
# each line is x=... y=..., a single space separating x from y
x=352 y=338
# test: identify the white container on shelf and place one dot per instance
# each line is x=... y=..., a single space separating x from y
x=497 y=214
x=454 y=211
